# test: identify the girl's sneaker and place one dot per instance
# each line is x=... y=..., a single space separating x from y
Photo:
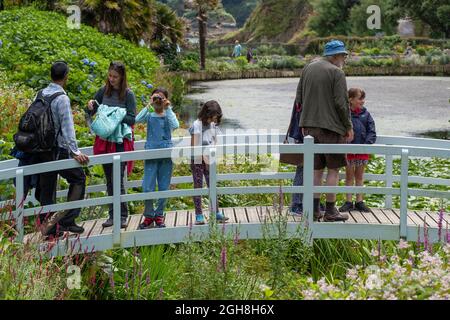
x=361 y=206
x=221 y=218
x=296 y=210
x=199 y=219
x=347 y=206
x=147 y=224
x=159 y=221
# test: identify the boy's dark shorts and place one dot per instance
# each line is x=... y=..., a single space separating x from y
x=324 y=136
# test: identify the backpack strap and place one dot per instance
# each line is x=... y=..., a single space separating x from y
x=40 y=94
x=50 y=99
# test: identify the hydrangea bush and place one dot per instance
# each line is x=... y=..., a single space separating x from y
x=404 y=275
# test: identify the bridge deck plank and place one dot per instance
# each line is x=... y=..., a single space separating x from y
x=435 y=217
x=190 y=218
x=182 y=218
x=424 y=217
x=98 y=227
x=263 y=213
x=241 y=215
x=170 y=219
x=134 y=222
x=369 y=216
x=250 y=215
x=253 y=215
x=359 y=218
x=229 y=212
x=391 y=216
x=412 y=219
x=381 y=216
x=88 y=226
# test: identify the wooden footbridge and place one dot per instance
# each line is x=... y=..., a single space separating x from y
x=381 y=223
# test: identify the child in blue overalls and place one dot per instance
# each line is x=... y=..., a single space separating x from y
x=161 y=121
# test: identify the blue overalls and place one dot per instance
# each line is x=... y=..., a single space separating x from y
x=159 y=136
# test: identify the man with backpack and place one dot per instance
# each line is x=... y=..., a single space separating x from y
x=47 y=132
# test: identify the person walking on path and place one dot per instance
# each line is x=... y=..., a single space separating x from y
x=326 y=117
x=237 y=50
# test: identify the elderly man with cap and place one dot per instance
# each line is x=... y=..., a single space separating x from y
x=322 y=92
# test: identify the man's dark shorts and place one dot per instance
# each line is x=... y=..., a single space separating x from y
x=324 y=136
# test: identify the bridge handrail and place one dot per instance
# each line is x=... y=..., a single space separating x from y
x=308 y=149
x=183 y=152
x=186 y=141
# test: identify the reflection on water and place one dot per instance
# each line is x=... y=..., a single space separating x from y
x=402 y=106
x=436 y=134
x=191 y=108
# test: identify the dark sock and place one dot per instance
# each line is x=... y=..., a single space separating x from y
x=316 y=204
x=329 y=206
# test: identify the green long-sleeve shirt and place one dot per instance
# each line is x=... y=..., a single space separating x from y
x=322 y=91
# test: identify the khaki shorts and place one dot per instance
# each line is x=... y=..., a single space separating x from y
x=324 y=136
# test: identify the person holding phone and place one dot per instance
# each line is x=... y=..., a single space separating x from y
x=115 y=93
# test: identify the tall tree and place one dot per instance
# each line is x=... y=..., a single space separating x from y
x=202 y=7
x=168 y=31
x=331 y=17
x=435 y=13
x=359 y=16
x=131 y=18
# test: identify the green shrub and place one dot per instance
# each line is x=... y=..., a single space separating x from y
x=190 y=65
x=33 y=39
x=421 y=51
x=444 y=59
x=241 y=62
x=277 y=62
x=266 y=50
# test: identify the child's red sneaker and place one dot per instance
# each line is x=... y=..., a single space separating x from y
x=159 y=221
x=148 y=223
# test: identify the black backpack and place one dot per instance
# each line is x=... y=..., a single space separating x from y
x=36 y=127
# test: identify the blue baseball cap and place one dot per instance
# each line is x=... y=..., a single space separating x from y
x=334 y=47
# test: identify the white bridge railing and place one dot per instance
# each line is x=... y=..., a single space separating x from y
x=253 y=145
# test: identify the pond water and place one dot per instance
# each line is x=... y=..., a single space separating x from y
x=401 y=106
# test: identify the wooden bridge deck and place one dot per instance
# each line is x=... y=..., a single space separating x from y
x=255 y=215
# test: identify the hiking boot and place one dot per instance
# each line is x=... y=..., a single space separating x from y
x=123 y=222
x=49 y=225
x=159 y=221
x=296 y=210
x=110 y=222
x=334 y=215
x=322 y=207
x=54 y=236
x=318 y=216
x=346 y=207
x=147 y=224
x=74 y=228
x=199 y=219
x=221 y=218
x=361 y=206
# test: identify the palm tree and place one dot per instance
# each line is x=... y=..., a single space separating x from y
x=167 y=27
x=131 y=18
x=202 y=7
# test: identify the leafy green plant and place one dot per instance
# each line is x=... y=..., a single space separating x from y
x=30 y=46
